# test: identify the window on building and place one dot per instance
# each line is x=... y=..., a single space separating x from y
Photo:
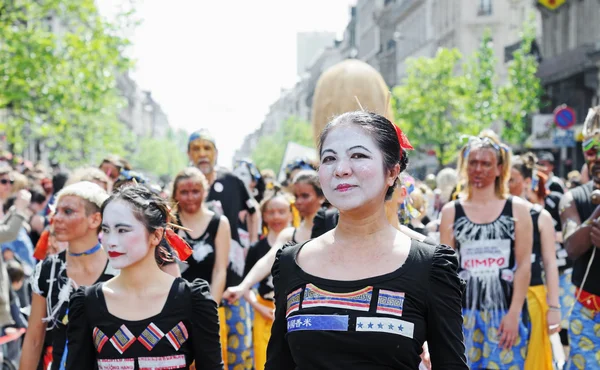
x=485 y=7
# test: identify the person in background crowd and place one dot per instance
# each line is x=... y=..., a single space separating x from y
x=76 y=221
x=574 y=179
x=228 y=196
x=276 y=210
x=418 y=202
x=446 y=182
x=112 y=166
x=21 y=247
x=91 y=174
x=250 y=175
x=269 y=177
x=495 y=255
x=6 y=184
x=37 y=221
x=181 y=329
x=542 y=298
x=292 y=168
x=546 y=161
x=58 y=182
x=581 y=229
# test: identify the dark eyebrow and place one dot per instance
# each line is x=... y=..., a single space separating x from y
x=359 y=147
x=328 y=150
x=117 y=225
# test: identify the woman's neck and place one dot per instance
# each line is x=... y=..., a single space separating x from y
x=141 y=275
x=191 y=219
x=272 y=236
x=307 y=222
x=360 y=224
x=483 y=195
x=84 y=244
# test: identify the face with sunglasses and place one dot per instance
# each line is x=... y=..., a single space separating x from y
x=5 y=185
x=591 y=153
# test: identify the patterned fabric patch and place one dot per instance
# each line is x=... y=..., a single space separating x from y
x=122 y=339
x=100 y=339
x=385 y=325
x=317 y=322
x=150 y=336
x=390 y=302
x=293 y=301
x=120 y=364
x=178 y=335
x=359 y=300
x=162 y=363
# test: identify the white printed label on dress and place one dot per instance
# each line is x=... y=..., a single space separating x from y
x=162 y=363
x=385 y=325
x=116 y=364
x=201 y=249
x=484 y=256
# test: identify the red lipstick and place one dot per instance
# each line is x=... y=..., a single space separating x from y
x=115 y=254
x=344 y=187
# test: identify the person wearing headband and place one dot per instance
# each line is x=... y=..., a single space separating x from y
x=144 y=318
x=228 y=196
x=495 y=255
x=581 y=233
x=76 y=221
x=351 y=297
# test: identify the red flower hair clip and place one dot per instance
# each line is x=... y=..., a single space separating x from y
x=181 y=248
x=402 y=139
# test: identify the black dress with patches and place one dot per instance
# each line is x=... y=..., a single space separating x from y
x=186 y=330
x=375 y=323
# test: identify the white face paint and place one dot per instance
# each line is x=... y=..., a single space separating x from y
x=352 y=172
x=243 y=174
x=124 y=236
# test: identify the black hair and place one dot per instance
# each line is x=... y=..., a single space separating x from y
x=8 y=203
x=384 y=134
x=37 y=195
x=15 y=271
x=309 y=177
x=58 y=181
x=151 y=210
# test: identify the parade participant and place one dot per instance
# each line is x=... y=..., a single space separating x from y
x=495 y=253
x=143 y=318
x=546 y=162
x=341 y=299
x=112 y=166
x=308 y=200
x=247 y=171
x=542 y=300
x=228 y=196
x=276 y=210
x=76 y=221
x=91 y=174
x=207 y=233
x=579 y=214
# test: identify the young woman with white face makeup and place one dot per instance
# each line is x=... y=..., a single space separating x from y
x=351 y=297
x=144 y=318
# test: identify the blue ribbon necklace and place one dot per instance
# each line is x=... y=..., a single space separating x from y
x=88 y=252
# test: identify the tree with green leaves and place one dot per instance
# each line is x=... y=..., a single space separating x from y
x=270 y=149
x=521 y=94
x=162 y=157
x=58 y=65
x=429 y=105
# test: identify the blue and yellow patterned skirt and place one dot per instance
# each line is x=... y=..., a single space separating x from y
x=584 y=337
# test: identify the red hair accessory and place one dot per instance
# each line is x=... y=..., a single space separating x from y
x=181 y=248
x=41 y=247
x=402 y=139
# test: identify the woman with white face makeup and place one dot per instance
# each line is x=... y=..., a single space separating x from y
x=144 y=318
x=355 y=295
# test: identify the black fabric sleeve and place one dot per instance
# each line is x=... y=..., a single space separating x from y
x=279 y=356
x=444 y=312
x=251 y=258
x=205 y=327
x=81 y=353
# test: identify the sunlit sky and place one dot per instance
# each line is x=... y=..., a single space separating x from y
x=221 y=64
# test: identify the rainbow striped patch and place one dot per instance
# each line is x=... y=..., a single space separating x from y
x=390 y=302
x=100 y=339
x=178 y=335
x=122 y=339
x=358 y=300
x=293 y=302
x=150 y=336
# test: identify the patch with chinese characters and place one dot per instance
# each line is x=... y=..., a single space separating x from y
x=162 y=363
x=317 y=322
x=122 y=339
x=390 y=302
x=116 y=364
x=150 y=336
x=293 y=301
x=358 y=300
x=385 y=325
x=178 y=335
x=100 y=339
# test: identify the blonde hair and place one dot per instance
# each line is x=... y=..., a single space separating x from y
x=85 y=190
x=189 y=173
x=88 y=174
x=20 y=181
x=591 y=125
x=487 y=139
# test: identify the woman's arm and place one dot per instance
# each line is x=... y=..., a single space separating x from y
x=546 y=227
x=219 y=273
x=509 y=327
x=36 y=333
x=446 y=225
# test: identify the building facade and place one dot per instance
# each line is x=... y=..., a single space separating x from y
x=308 y=46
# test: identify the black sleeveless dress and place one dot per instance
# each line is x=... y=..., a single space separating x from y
x=202 y=261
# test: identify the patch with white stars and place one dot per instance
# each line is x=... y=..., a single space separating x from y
x=385 y=325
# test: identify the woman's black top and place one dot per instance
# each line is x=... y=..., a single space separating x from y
x=201 y=263
x=186 y=330
x=255 y=253
x=50 y=281
x=374 y=323
x=536 y=253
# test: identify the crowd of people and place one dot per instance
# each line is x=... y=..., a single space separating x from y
x=349 y=263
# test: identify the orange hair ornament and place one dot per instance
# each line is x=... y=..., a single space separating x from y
x=181 y=248
x=41 y=247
